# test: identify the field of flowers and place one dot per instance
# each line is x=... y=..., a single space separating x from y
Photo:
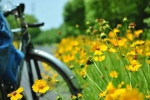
x=110 y=64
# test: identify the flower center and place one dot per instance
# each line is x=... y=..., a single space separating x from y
x=134 y=65
x=97 y=48
x=40 y=86
x=14 y=93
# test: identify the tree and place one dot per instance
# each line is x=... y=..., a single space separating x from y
x=115 y=10
x=74 y=15
x=81 y=11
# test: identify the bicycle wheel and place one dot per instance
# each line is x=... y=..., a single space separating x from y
x=43 y=65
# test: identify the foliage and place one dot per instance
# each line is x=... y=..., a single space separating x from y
x=47 y=37
x=147 y=21
x=78 y=12
x=147 y=10
x=115 y=11
x=74 y=14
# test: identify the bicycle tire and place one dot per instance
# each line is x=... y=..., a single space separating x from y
x=38 y=55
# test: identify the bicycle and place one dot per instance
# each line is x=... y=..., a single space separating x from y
x=34 y=60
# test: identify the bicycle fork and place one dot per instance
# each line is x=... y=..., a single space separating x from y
x=31 y=64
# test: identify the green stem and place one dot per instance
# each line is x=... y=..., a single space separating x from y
x=145 y=78
x=130 y=81
x=58 y=91
x=91 y=86
x=126 y=25
x=99 y=70
x=148 y=68
x=135 y=80
x=94 y=82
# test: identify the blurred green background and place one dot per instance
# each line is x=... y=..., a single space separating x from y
x=77 y=12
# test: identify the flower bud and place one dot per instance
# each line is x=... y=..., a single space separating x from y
x=81 y=65
x=59 y=98
x=71 y=67
x=56 y=81
x=125 y=19
x=103 y=35
x=73 y=97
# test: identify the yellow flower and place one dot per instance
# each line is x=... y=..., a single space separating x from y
x=73 y=97
x=83 y=73
x=139 y=42
x=98 y=46
x=68 y=48
x=115 y=30
x=60 y=50
x=97 y=52
x=128 y=87
x=118 y=92
x=79 y=95
x=139 y=50
x=67 y=58
x=82 y=53
x=82 y=61
x=102 y=94
x=130 y=36
x=112 y=50
x=113 y=74
x=133 y=53
x=40 y=86
x=147 y=96
x=113 y=93
x=99 y=58
x=15 y=95
x=131 y=95
x=148 y=54
x=134 y=66
x=113 y=33
x=74 y=43
x=121 y=84
x=121 y=93
x=137 y=33
x=103 y=47
x=110 y=88
x=119 y=42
